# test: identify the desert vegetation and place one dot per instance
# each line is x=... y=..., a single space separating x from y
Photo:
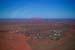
x=53 y=35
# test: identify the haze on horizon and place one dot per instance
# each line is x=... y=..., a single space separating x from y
x=36 y=9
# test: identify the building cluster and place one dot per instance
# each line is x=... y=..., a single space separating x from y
x=37 y=34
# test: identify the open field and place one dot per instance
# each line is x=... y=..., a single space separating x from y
x=13 y=35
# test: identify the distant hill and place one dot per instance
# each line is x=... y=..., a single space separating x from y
x=34 y=20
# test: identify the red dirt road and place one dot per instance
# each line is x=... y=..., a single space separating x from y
x=12 y=41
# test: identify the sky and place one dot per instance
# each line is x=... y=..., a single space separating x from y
x=36 y=9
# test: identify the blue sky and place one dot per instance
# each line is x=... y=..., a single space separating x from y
x=36 y=9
